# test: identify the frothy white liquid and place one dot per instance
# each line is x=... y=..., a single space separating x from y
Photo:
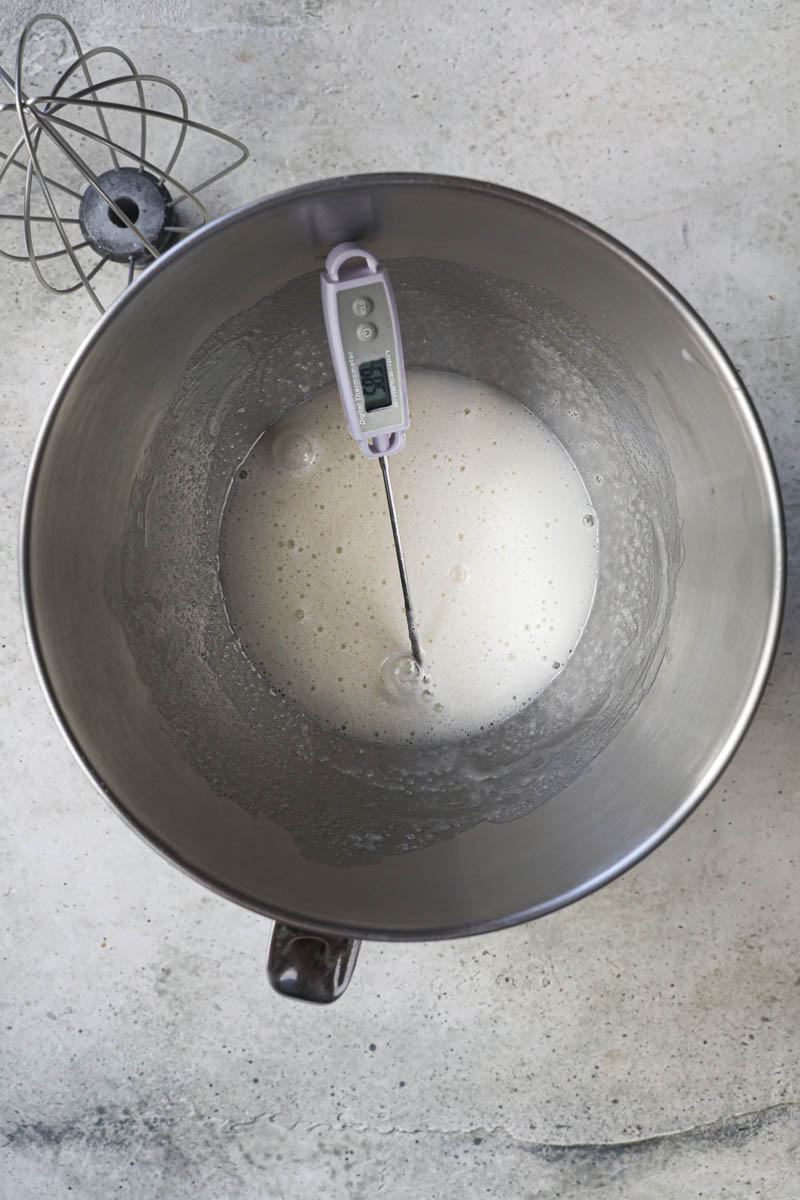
x=501 y=547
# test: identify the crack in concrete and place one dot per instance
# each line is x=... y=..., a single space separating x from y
x=113 y=1128
x=273 y=1120
x=738 y=1127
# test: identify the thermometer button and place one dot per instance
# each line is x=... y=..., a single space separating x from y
x=362 y=306
x=366 y=332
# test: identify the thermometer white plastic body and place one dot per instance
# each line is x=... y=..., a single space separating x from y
x=367 y=352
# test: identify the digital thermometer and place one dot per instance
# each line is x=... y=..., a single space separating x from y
x=367 y=353
x=364 y=337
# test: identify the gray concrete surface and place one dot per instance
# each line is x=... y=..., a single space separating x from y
x=643 y=1043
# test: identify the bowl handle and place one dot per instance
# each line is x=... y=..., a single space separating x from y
x=310 y=966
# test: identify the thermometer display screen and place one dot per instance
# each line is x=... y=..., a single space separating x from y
x=375 y=384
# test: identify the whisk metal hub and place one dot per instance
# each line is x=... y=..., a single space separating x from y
x=64 y=172
x=143 y=199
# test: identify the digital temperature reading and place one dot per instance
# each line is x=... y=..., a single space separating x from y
x=375 y=384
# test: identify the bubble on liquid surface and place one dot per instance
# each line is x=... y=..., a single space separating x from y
x=589 y=519
x=458 y=574
x=294 y=452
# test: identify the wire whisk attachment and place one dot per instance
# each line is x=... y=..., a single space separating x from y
x=91 y=178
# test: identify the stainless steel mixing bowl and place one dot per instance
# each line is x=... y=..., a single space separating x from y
x=127 y=621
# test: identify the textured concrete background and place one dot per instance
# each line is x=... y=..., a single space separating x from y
x=645 y=1041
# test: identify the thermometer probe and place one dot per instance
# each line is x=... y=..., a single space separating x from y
x=364 y=339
